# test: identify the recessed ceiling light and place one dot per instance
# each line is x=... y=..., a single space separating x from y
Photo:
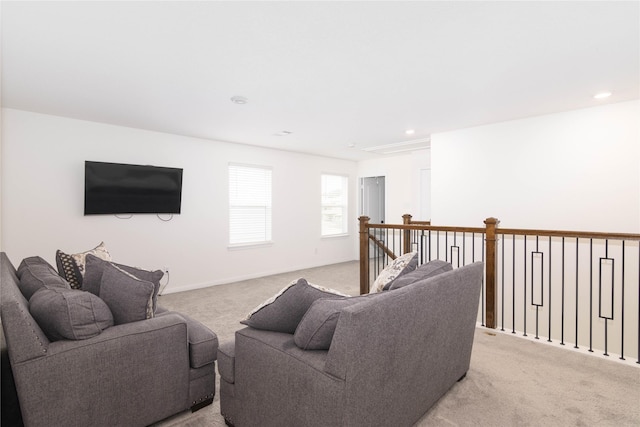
x=410 y=131
x=602 y=95
x=239 y=99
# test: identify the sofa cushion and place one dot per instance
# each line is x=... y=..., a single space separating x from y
x=69 y=313
x=72 y=267
x=227 y=361
x=399 y=266
x=317 y=326
x=35 y=273
x=283 y=311
x=94 y=267
x=129 y=298
x=430 y=269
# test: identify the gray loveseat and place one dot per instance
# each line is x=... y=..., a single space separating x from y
x=391 y=357
x=131 y=374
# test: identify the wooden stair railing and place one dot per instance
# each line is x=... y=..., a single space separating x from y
x=490 y=232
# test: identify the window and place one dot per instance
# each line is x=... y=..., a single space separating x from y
x=249 y=204
x=334 y=205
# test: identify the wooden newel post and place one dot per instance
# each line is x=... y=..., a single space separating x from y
x=364 y=255
x=406 y=244
x=491 y=270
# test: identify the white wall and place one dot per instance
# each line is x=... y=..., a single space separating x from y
x=402 y=182
x=42 y=202
x=576 y=170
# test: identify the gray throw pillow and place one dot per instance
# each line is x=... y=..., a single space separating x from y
x=31 y=262
x=283 y=311
x=35 y=274
x=69 y=313
x=318 y=325
x=129 y=298
x=430 y=269
x=94 y=268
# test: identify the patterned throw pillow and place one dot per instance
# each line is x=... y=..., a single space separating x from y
x=71 y=267
x=401 y=265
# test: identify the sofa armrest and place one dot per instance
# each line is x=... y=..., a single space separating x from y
x=203 y=342
x=131 y=374
x=25 y=339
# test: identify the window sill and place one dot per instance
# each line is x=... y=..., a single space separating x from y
x=240 y=246
x=335 y=236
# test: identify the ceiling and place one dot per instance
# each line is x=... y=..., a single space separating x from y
x=341 y=77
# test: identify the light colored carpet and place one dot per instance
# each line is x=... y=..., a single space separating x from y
x=511 y=381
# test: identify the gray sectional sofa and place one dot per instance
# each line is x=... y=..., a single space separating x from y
x=133 y=373
x=377 y=360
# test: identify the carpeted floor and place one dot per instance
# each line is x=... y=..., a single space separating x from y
x=511 y=381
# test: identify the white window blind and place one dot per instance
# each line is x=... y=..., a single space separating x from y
x=334 y=205
x=249 y=204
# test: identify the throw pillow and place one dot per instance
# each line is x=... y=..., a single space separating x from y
x=129 y=298
x=32 y=261
x=283 y=311
x=73 y=269
x=430 y=269
x=35 y=274
x=316 y=329
x=69 y=313
x=401 y=265
x=94 y=268
x=68 y=269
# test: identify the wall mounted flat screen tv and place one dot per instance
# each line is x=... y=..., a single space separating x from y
x=114 y=188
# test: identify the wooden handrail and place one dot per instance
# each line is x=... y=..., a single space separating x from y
x=379 y=243
x=416 y=226
x=577 y=234
x=491 y=233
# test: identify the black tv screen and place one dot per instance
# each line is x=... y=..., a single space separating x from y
x=114 y=188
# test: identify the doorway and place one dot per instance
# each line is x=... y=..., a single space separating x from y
x=372 y=198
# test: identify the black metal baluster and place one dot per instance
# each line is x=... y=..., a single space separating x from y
x=622 y=314
x=577 y=265
x=473 y=247
x=482 y=284
x=525 y=287
x=533 y=284
x=513 y=286
x=606 y=318
x=502 y=279
x=550 y=258
x=562 y=310
x=446 y=246
x=591 y=295
x=463 y=249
